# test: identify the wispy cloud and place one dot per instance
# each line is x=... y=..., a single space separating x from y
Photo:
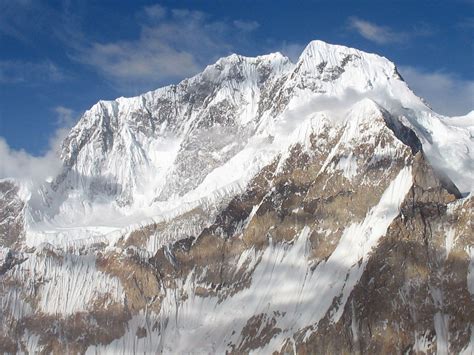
x=13 y=16
x=172 y=44
x=376 y=33
x=65 y=116
x=26 y=21
x=14 y=72
x=23 y=20
x=446 y=93
x=156 y=11
x=384 y=34
x=246 y=26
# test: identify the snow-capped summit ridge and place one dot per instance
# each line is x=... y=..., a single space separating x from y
x=329 y=52
x=213 y=131
x=333 y=69
x=317 y=57
x=235 y=67
x=329 y=55
x=175 y=207
x=320 y=63
x=236 y=58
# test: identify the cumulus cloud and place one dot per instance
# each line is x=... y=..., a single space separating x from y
x=172 y=44
x=445 y=92
x=19 y=164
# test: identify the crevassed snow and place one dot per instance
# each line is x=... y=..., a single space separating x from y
x=272 y=139
x=466 y=121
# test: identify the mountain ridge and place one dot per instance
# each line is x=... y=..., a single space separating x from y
x=140 y=104
x=261 y=207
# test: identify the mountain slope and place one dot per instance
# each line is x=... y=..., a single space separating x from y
x=258 y=206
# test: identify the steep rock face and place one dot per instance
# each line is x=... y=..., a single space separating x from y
x=180 y=118
x=11 y=214
x=264 y=207
x=424 y=271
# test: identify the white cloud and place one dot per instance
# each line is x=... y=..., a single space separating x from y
x=155 y=11
x=445 y=92
x=21 y=165
x=172 y=44
x=384 y=34
x=14 y=72
x=130 y=62
x=374 y=32
x=65 y=116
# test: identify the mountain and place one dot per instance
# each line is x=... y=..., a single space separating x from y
x=260 y=206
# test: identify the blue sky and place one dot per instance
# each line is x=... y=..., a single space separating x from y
x=57 y=58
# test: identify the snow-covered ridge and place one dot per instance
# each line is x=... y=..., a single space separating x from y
x=259 y=206
x=139 y=158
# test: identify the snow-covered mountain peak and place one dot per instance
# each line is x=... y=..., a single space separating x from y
x=234 y=58
x=220 y=198
x=147 y=154
x=323 y=68
x=365 y=108
x=238 y=71
x=324 y=54
x=333 y=69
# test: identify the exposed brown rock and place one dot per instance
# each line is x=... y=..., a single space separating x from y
x=410 y=265
x=409 y=278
